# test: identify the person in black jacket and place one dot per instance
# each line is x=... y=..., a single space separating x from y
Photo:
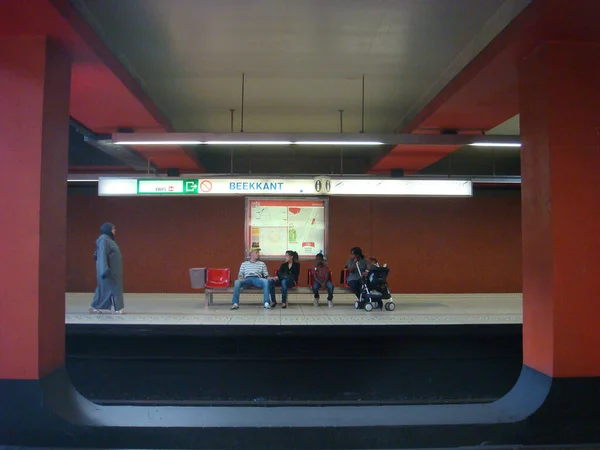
x=287 y=277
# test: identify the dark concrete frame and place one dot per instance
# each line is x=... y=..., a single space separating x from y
x=538 y=410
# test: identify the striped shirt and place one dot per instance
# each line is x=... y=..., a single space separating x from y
x=253 y=269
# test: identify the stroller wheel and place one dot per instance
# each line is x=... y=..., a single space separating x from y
x=356 y=304
x=390 y=306
x=368 y=307
x=387 y=306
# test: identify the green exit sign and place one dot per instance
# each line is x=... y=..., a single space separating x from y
x=167 y=186
x=190 y=186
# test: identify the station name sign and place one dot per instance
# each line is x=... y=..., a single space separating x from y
x=328 y=186
x=255 y=186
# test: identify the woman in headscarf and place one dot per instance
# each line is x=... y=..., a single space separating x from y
x=109 y=272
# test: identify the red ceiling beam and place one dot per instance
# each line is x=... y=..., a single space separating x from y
x=484 y=94
x=179 y=159
x=104 y=96
x=89 y=36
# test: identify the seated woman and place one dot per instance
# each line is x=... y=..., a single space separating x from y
x=353 y=279
x=287 y=277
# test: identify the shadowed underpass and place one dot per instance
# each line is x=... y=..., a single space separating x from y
x=415 y=365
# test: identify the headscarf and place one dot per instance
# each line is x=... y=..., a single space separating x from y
x=106 y=229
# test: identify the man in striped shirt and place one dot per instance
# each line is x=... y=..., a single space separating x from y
x=252 y=273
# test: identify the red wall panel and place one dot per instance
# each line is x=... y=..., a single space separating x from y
x=431 y=245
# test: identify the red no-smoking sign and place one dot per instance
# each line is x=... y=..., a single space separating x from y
x=205 y=186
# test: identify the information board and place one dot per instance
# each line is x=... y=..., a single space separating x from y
x=278 y=225
x=298 y=187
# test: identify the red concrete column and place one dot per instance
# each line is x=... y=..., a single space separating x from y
x=560 y=128
x=35 y=76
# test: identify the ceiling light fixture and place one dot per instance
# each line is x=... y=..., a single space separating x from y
x=315 y=143
x=309 y=139
x=338 y=143
x=247 y=142
x=158 y=143
x=495 y=144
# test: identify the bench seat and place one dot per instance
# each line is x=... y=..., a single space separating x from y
x=218 y=282
x=208 y=292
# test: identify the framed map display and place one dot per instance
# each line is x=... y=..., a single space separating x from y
x=278 y=225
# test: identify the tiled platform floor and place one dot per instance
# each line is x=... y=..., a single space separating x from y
x=411 y=309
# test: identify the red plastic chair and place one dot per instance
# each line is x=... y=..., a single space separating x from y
x=218 y=278
x=345 y=282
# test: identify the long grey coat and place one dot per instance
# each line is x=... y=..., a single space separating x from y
x=109 y=273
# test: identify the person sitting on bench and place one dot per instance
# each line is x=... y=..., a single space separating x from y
x=252 y=273
x=353 y=279
x=321 y=279
x=287 y=277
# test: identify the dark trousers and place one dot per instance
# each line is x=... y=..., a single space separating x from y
x=316 y=285
x=355 y=287
x=285 y=284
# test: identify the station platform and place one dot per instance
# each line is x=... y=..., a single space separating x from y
x=411 y=309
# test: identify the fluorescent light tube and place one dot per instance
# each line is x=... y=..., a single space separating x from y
x=316 y=143
x=495 y=144
x=158 y=143
x=337 y=143
x=247 y=142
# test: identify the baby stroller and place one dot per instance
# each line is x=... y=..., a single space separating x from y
x=374 y=290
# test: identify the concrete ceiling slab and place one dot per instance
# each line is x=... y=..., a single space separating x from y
x=303 y=59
